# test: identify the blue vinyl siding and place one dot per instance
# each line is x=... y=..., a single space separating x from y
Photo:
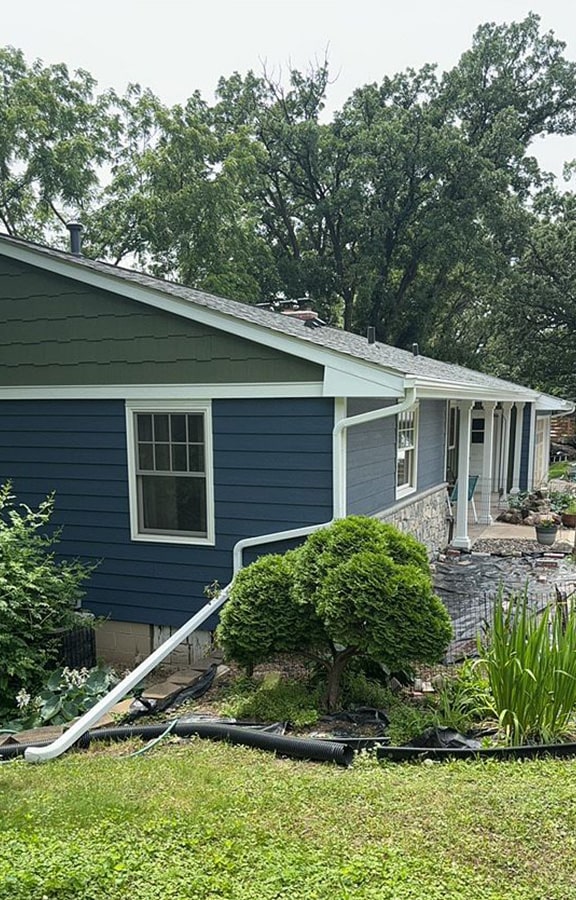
x=371 y=455
x=431 y=443
x=273 y=471
x=370 y=460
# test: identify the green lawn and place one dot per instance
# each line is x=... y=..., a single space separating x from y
x=206 y=820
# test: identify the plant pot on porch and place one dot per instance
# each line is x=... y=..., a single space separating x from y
x=546 y=534
x=569 y=519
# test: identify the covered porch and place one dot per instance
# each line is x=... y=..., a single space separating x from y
x=497 y=448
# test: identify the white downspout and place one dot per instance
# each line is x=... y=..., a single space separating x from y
x=84 y=723
x=338 y=463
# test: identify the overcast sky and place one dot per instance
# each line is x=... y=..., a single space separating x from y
x=178 y=46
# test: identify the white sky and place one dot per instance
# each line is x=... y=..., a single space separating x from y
x=178 y=46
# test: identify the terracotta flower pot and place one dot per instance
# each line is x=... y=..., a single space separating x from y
x=569 y=519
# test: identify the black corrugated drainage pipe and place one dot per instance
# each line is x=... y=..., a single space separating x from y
x=296 y=748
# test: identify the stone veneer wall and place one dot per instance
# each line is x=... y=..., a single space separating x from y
x=424 y=516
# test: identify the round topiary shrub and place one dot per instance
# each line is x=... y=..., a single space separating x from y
x=260 y=619
x=389 y=612
x=339 y=542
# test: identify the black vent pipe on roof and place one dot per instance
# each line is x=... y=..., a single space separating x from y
x=415 y=350
x=371 y=334
x=75 y=229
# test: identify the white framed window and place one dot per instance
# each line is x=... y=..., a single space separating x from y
x=170 y=471
x=406 y=452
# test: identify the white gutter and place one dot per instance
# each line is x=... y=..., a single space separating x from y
x=84 y=723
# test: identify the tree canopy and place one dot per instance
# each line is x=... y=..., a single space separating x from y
x=418 y=208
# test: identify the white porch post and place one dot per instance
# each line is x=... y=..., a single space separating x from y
x=486 y=479
x=517 y=448
x=461 y=539
x=505 y=447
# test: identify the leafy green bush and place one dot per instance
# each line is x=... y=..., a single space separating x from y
x=37 y=596
x=387 y=610
x=280 y=701
x=356 y=588
x=530 y=663
x=260 y=619
x=330 y=547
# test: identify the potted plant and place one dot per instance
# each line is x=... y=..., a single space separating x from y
x=569 y=514
x=546 y=525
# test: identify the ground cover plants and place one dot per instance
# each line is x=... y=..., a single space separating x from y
x=210 y=821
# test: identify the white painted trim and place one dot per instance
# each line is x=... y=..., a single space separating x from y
x=532 y=432
x=187 y=308
x=406 y=489
x=466 y=391
x=162 y=392
x=515 y=489
x=153 y=406
x=338 y=384
x=340 y=459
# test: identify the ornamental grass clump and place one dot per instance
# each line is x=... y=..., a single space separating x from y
x=530 y=662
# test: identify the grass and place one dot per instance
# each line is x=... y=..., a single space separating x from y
x=559 y=470
x=215 y=822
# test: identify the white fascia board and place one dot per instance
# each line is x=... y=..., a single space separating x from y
x=468 y=391
x=339 y=384
x=163 y=391
x=187 y=309
x=554 y=405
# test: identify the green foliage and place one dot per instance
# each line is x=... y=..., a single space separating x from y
x=336 y=599
x=408 y=721
x=66 y=694
x=38 y=595
x=559 y=470
x=530 y=664
x=260 y=620
x=278 y=701
x=206 y=820
x=330 y=547
x=388 y=611
x=464 y=699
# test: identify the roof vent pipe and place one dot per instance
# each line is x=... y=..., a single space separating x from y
x=371 y=334
x=75 y=229
x=415 y=350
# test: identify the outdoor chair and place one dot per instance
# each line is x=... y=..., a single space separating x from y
x=472 y=482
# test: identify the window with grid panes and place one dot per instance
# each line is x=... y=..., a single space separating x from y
x=171 y=477
x=406 y=437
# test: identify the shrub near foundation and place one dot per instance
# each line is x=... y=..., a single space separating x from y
x=356 y=588
x=38 y=595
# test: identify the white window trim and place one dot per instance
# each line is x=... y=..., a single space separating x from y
x=162 y=406
x=406 y=489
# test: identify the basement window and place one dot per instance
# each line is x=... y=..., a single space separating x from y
x=170 y=465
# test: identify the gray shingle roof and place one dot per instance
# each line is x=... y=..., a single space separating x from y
x=334 y=339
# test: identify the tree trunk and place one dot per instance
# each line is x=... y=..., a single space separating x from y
x=335 y=677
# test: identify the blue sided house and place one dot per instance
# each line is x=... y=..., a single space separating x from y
x=173 y=424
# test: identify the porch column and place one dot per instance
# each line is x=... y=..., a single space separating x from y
x=517 y=448
x=505 y=448
x=461 y=539
x=486 y=479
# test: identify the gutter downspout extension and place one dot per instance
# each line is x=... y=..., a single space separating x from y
x=85 y=722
